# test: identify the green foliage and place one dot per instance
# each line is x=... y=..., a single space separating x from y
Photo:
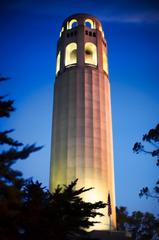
x=142 y=226
x=152 y=138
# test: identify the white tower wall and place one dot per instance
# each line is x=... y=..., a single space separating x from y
x=82 y=126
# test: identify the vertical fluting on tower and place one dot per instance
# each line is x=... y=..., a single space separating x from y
x=82 y=127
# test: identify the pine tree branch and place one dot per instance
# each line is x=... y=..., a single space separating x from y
x=13 y=154
x=3 y=78
x=6 y=107
x=4 y=139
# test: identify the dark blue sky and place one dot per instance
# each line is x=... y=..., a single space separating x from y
x=29 y=33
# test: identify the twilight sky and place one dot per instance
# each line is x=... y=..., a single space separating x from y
x=29 y=34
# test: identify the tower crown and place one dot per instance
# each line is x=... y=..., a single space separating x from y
x=82 y=19
x=81 y=44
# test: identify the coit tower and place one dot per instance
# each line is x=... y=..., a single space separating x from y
x=82 y=125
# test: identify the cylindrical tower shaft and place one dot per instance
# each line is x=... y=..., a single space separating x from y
x=82 y=126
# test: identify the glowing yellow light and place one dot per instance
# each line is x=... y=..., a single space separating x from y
x=98 y=193
x=90 y=21
x=71 y=54
x=105 y=62
x=61 y=31
x=70 y=24
x=100 y=29
x=58 y=62
x=90 y=53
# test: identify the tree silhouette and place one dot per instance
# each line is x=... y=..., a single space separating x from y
x=152 y=137
x=141 y=225
x=11 y=180
x=61 y=215
x=16 y=150
x=28 y=211
x=122 y=218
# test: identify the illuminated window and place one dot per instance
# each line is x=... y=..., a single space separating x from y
x=58 y=62
x=71 y=54
x=105 y=62
x=89 y=23
x=61 y=31
x=90 y=53
x=72 y=24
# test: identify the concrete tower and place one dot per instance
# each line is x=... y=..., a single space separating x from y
x=82 y=125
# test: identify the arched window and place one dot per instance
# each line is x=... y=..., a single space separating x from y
x=58 y=62
x=90 y=53
x=61 y=31
x=71 y=54
x=105 y=62
x=72 y=24
x=89 y=23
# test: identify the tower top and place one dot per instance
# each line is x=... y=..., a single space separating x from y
x=80 y=19
x=81 y=44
